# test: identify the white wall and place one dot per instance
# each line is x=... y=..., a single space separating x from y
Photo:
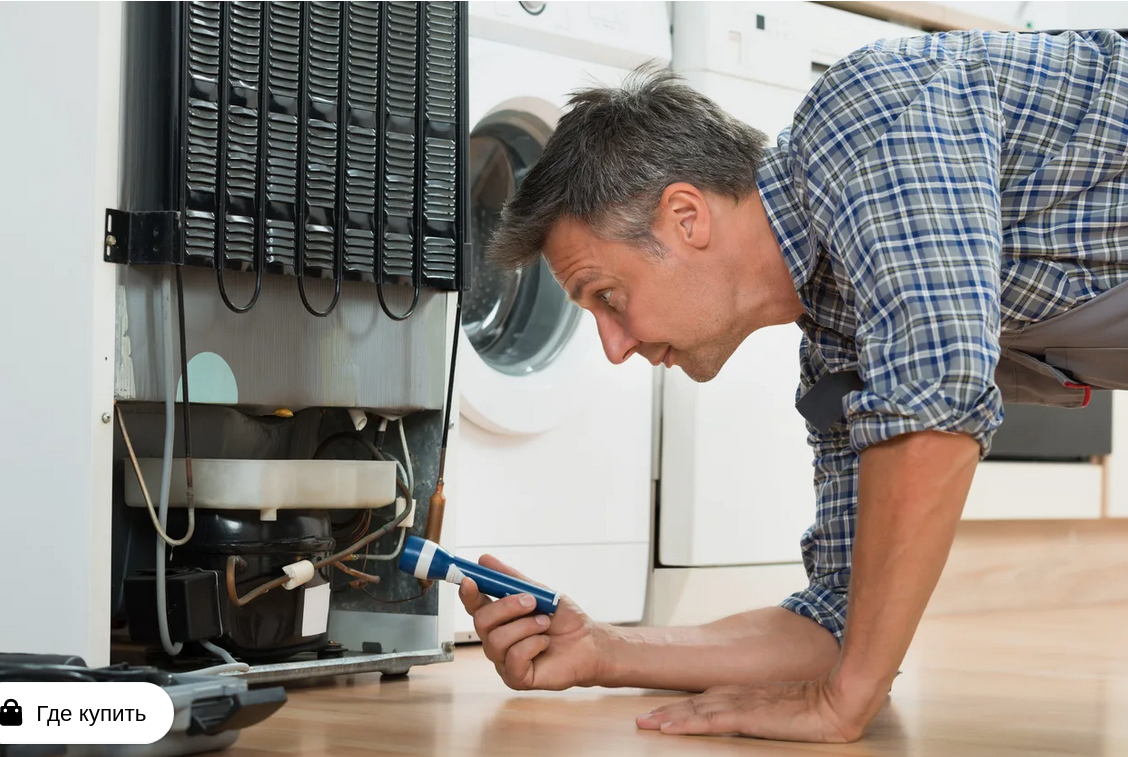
x=1050 y=15
x=58 y=141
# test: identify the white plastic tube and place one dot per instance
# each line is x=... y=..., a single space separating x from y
x=359 y=419
x=300 y=573
x=166 y=463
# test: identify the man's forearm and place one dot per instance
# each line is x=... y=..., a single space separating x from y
x=911 y=495
x=769 y=644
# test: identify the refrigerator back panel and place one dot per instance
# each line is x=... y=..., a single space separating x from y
x=300 y=153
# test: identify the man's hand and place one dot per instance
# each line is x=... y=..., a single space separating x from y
x=810 y=711
x=570 y=649
x=535 y=651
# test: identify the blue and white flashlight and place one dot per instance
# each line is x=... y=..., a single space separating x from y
x=427 y=560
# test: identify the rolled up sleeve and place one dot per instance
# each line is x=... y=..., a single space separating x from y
x=918 y=246
x=827 y=546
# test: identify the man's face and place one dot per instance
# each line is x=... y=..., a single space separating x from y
x=676 y=309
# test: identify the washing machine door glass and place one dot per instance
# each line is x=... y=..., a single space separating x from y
x=518 y=323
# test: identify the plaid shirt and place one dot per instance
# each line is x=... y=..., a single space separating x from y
x=931 y=192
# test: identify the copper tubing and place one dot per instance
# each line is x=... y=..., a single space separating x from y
x=437 y=508
x=356 y=573
x=234 y=560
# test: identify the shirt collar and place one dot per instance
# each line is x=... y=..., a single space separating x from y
x=790 y=224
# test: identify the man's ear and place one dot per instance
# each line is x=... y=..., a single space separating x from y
x=686 y=210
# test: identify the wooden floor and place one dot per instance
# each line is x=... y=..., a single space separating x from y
x=997 y=685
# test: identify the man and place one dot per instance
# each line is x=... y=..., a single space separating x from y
x=947 y=222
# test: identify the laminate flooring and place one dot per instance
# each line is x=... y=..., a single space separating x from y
x=1029 y=683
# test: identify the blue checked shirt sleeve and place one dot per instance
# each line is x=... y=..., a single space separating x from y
x=917 y=239
x=827 y=545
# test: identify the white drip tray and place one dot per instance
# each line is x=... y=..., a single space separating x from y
x=269 y=485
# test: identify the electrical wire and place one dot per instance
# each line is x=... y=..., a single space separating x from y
x=420 y=595
x=406 y=456
x=233 y=561
x=219 y=652
x=391 y=556
x=436 y=507
x=389 y=457
x=145 y=490
x=380 y=433
x=450 y=387
x=166 y=466
x=215 y=670
x=406 y=473
x=319 y=453
x=190 y=492
x=230 y=664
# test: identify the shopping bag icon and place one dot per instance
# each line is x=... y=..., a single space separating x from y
x=11 y=713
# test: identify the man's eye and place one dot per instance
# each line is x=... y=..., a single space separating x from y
x=605 y=295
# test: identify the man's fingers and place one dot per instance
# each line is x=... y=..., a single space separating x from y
x=519 y=661
x=497 y=644
x=652 y=721
x=703 y=705
x=716 y=723
x=497 y=613
x=472 y=599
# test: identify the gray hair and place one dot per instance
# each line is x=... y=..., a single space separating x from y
x=613 y=155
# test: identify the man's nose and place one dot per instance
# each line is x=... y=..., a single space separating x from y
x=618 y=345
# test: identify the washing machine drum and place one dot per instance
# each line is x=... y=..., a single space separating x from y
x=517 y=322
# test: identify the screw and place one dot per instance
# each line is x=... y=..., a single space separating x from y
x=111 y=240
x=106 y=417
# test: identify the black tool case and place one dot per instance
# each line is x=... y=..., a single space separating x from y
x=209 y=711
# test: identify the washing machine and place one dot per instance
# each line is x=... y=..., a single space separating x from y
x=556 y=442
x=735 y=487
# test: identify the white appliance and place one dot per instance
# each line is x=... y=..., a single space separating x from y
x=556 y=442
x=736 y=475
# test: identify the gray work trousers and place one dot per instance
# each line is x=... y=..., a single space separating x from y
x=1056 y=362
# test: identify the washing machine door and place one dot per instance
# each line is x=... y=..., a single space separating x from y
x=522 y=370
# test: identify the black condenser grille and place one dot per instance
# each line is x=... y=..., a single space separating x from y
x=316 y=140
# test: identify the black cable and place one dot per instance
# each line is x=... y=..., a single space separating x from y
x=31 y=672
x=450 y=386
x=351 y=435
x=420 y=595
x=187 y=401
x=453 y=363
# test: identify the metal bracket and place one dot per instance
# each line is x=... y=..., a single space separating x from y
x=143 y=238
x=394 y=663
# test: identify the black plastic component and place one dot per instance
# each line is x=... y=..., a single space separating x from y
x=821 y=406
x=32 y=750
x=193 y=606
x=9 y=658
x=267 y=628
x=310 y=139
x=143 y=238
x=234 y=713
x=1034 y=432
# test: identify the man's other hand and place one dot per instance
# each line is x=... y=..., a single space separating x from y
x=812 y=711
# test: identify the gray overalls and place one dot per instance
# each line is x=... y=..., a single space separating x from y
x=1055 y=362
